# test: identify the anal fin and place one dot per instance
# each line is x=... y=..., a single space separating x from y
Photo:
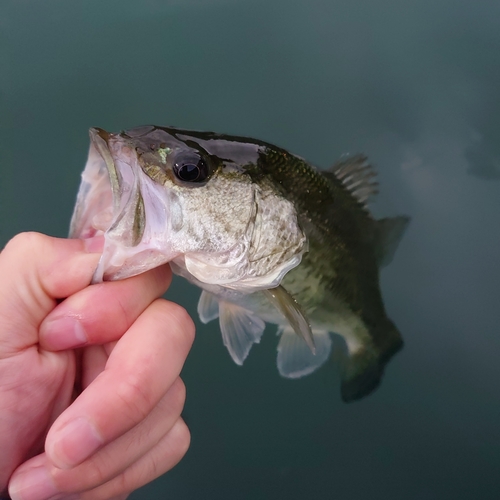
x=295 y=358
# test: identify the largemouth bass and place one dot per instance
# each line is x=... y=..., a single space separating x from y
x=265 y=235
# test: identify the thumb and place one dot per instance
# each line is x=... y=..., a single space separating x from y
x=35 y=271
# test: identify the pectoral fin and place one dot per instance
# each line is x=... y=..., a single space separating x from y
x=240 y=329
x=289 y=307
x=295 y=358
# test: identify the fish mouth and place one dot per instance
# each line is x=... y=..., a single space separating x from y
x=126 y=217
x=110 y=203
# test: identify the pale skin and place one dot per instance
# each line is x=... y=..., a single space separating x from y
x=90 y=393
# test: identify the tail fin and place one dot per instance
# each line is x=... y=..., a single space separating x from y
x=361 y=371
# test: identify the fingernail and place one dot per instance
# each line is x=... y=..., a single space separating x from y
x=64 y=332
x=74 y=443
x=33 y=484
x=95 y=244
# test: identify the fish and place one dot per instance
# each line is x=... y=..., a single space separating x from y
x=268 y=237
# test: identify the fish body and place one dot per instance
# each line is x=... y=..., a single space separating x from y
x=268 y=238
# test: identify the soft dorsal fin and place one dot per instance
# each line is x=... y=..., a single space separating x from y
x=357 y=175
x=388 y=234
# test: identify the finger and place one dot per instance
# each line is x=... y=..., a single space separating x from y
x=37 y=479
x=162 y=458
x=103 y=312
x=36 y=270
x=93 y=362
x=139 y=371
x=120 y=454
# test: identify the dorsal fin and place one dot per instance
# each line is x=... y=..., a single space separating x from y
x=388 y=234
x=357 y=175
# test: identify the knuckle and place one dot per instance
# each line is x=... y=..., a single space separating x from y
x=181 y=323
x=135 y=396
x=172 y=404
x=27 y=241
x=178 y=395
x=124 y=318
x=70 y=481
x=122 y=483
x=162 y=276
x=181 y=390
x=183 y=438
x=169 y=451
x=95 y=473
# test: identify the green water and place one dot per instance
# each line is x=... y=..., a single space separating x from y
x=415 y=86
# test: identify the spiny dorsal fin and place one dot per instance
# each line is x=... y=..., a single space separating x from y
x=358 y=176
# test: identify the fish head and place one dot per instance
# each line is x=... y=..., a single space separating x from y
x=193 y=199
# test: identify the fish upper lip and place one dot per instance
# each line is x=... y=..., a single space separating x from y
x=93 y=131
x=127 y=202
x=100 y=140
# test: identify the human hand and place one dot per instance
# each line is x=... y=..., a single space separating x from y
x=114 y=346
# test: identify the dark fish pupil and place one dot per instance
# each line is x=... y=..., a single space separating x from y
x=191 y=168
x=189 y=172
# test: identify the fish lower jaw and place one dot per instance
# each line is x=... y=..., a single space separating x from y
x=99 y=224
x=119 y=261
x=102 y=220
x=93 y=231
x=90 y=232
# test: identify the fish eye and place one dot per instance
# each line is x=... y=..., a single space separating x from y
x=191 y=168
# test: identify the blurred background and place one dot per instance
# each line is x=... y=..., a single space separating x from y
x=415 y=86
